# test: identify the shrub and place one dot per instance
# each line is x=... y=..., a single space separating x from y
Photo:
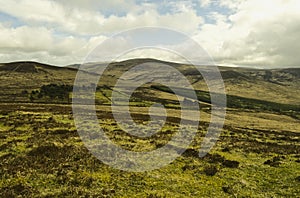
x=231 y=164
x=210 y=170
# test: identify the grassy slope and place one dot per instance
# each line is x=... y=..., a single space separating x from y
x=43 y=156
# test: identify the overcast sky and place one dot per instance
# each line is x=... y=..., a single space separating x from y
x=234 y=32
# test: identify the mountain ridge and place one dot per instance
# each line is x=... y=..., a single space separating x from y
x=14 y=64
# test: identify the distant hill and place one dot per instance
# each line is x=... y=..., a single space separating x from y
x=270 y=75
x=278 y=85
x=30 y=67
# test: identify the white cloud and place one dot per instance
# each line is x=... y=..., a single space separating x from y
x=54 y=15
x=254 y=32
x=54 y=29
x=205 y=3
x=114 y=6
x=257 y=33
x=24 y=38
x=76 y=18
x=39 y=43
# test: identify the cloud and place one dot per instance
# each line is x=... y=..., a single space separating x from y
x=109 y=7
x=53 y=15
x=240 y=32
x=60 y=31
x=24 y=38
x=257 y=33
x=42 y=44
x=205 y=3
x=77 y=17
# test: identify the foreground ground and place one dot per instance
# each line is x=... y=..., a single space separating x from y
x=42 y=155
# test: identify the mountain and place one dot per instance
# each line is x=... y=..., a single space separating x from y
x=29 y=67
x=277 y=85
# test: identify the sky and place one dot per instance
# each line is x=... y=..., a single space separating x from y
x=252 y=33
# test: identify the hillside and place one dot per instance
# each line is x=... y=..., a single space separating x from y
x=42 y=155
x=277 y=85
